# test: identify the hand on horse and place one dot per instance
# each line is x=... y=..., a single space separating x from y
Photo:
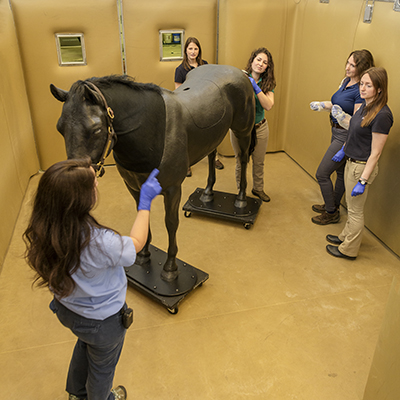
x=255 y=86
x=339 y=155
x=317 y=105
x=150 y=189
x=358 y=189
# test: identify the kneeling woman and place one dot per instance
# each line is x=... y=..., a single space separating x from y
x=368 y=131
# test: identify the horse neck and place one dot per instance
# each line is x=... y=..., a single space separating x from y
x=133 y=109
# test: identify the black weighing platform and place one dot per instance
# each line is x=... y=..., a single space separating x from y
x=223 y=206
x=147 y=279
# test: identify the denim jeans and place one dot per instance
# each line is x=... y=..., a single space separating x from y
x=96 y=353
x=327 y=167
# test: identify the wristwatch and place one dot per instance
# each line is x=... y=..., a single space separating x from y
x=362 y=181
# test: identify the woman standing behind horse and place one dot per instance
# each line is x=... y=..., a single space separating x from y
x=260 y=70
x=191 y=59
x=348 y=98
x=82 y=263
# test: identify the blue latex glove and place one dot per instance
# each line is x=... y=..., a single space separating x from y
x=338 y=113
x=150 y=189
x=255 y=86
x=339 y=155
x=358 y=189
x=317 y=105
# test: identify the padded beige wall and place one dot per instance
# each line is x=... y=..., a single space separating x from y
x=383 y=380
x=320 y=38
x=245 y=26
x=19 y=158
x=144 y=19
x=37 y=22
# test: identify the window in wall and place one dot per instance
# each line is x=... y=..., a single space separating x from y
x=171 y=44
x=70 y=49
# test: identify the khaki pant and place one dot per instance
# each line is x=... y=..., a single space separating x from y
x=352 y=232
x=257 y=156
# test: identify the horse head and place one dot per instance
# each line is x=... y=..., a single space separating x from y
x=85 y=122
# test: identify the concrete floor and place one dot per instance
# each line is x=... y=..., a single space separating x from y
x=278 y=318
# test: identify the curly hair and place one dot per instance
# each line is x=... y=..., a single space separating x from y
x=268 y=82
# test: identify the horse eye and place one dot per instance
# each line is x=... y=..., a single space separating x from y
x=97 y=131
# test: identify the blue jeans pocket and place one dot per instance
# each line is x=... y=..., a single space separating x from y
x=85 y=327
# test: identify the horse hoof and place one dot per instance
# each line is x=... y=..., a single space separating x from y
x=207 y=198
x=142 y=260
x=240 y=203
x=169 y=276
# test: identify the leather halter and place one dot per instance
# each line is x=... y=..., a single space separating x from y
x=99 y=167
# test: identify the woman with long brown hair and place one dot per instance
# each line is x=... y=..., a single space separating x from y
x=348 y=98
x=368 y=132
x=261 y=72
x=192 y=58
x=82 y=263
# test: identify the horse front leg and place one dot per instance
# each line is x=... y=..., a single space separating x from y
x=143 y=256
x=172 y=198
x=208 y=193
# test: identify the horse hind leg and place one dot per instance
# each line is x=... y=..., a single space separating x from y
x=208 y=193
x=172 y=198
x=243 y=156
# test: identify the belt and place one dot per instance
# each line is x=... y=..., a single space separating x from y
x=356 y=161
x=260 y=123
x=336 y=125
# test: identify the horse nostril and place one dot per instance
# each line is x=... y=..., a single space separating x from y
x=188 y=88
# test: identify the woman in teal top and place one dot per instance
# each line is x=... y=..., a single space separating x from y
x=260 y=70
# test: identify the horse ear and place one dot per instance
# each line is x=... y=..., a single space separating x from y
x=59 y=94
x=91 y=95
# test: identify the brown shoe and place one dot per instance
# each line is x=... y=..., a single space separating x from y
x=319 y=208
x=219 y=165
x=261 y=194
x=325 y=218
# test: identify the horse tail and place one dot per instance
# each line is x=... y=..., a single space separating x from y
x=253 y=140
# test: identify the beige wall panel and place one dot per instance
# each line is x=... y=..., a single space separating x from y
x=383 y=380
x=382 y=211
x=19 y=158
x=37 y=22
x=317 y=56
x=144 y=19
x=245 y=26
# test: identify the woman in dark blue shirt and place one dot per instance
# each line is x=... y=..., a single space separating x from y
x=348 y=98
x=368 y=131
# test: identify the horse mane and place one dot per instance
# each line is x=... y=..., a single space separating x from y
x=108 y=81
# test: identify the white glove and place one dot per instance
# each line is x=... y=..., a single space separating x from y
x=317 y=105
x=341 y=117
x=338 y=113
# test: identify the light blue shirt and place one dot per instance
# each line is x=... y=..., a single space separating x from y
x=101 y=280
